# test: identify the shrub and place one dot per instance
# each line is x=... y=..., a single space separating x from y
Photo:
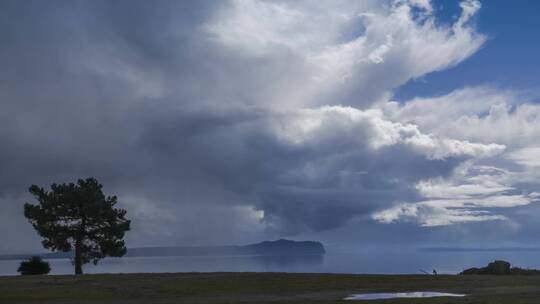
x=498 y=267
x=34 y=265
x=473 y=270
x=501 y=268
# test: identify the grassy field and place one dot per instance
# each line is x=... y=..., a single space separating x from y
x=260 y=288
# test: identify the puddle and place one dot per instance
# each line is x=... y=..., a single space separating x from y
x=395 y=295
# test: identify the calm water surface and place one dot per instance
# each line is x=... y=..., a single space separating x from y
x=397 y=295
x=369 y=261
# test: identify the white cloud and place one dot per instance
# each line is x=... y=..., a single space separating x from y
x=469 y=8
x=372 y=128
x=482 y=114
x=485 y=115
x=348 y=52
x=429 y=214
x=439 y=189
x=529 y=156
x=467 y=196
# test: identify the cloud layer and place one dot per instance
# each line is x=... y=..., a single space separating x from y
x=478 y=190
x=241 y=120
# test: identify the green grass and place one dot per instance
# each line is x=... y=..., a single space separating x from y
x=260 y=288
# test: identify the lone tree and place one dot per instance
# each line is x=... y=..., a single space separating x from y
x=79 y=217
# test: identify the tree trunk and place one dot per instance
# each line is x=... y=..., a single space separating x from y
x=78 y=245
x=78 y=258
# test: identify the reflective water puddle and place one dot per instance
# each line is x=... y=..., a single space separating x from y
x=394 y=295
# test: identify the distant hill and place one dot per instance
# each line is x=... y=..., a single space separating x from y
x=280 y=247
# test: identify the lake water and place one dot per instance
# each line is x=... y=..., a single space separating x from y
x=368 y=261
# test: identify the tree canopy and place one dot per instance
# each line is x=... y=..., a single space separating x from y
x=79 y=217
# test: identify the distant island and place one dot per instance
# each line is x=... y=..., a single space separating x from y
x=280 y=247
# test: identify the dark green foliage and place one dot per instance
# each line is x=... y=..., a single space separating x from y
x=81 y=218
x=498 y=267
x=473 y=270
x=34 y=265
x=501 y=268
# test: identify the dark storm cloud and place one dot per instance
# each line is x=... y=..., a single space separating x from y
x=243 y=157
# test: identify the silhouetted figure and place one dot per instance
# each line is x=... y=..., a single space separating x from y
x=79 y=217
x=434 y=272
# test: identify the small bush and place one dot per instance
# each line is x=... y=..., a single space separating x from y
x=34 y=265
x=501 y=268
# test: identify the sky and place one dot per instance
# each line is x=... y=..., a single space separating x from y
x=409 y=122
